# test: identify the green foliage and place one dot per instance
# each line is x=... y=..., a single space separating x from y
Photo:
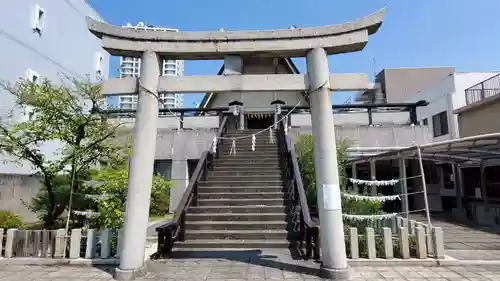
x=113 y=180
x=379 y=247
x=10 y=220
x=304 y=146
x=67 y=113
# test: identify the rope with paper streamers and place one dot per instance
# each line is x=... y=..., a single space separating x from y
x=271 y=140
x=358 y=218
x=382 y=199
x=369 y=217
x=86 y=213
x=374 y=182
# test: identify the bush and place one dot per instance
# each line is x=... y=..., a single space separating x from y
x=10 y=220
x=113 y=181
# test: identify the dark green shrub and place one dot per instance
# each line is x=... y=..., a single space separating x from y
x=10 y=220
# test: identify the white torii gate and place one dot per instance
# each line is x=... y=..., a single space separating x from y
x=315 y=43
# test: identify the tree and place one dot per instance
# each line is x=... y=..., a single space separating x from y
x=304 y=147
x=111 y=183
x=67 y=114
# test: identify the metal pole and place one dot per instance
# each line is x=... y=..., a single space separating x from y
x=334 y=261
x=140 y=176
x=424 y=186
x=404 y=187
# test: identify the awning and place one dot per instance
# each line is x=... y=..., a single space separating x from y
x=464 y=151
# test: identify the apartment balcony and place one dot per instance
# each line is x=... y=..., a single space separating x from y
x=488 y=88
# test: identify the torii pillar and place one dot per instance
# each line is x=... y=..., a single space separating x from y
x=334 y=260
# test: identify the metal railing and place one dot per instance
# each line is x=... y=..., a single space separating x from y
x=487 y=88
x=174 y=230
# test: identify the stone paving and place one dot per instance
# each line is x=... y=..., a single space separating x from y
x=467 y=241
x=214 y=272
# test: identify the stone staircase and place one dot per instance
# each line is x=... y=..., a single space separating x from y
x=242 y=203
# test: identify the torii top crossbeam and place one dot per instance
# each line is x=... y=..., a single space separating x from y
x=334 y=39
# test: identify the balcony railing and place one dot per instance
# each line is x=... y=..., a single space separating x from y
x=488 y=88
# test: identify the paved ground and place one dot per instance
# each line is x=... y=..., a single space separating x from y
x=467 y=241
x=214 y=271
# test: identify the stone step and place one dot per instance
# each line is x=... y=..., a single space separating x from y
x=259 y=141
x=238 y=209
x=236 y=234
x=245 y=173
x=244 y=178
x=239 y=189
x=232 y=244
x=242 y=202
x=239 y=160
x=254 y=182
x=257 y=195
x=246 y=166
x=236 y=217
x=235 y=225
x=250 y=154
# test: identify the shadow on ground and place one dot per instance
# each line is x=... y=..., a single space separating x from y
x=289 y=261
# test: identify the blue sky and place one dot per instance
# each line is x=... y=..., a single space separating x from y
x=460 y=33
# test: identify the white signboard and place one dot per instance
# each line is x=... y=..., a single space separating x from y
x=331 y=197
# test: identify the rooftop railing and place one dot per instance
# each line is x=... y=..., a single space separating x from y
x=488 y=88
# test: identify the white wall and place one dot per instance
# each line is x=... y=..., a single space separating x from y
x=447 y=95
x=64 y=47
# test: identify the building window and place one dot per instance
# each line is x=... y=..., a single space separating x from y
x=425 y=122
x=163 y=168
x=38 y=19
x=440 y=124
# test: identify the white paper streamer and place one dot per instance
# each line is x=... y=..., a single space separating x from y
x=214 y=145
x=99 y=196
x=233 y=148
x=369 y=217
x=371 y=198
x=253 y=142
x=86 y=213
x=374 y=182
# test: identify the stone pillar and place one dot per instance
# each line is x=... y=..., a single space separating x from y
x=334 y=261
x=373 y=176
x=140 y=171
x=404 y=187
x=354 y=169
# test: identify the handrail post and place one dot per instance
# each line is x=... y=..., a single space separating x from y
x=181 y=125
x=370 y=116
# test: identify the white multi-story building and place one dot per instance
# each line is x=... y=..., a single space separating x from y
x=131 y=67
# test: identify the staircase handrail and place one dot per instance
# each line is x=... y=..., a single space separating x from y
x=309 y=229
x=300 y=186
x=173 y=230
